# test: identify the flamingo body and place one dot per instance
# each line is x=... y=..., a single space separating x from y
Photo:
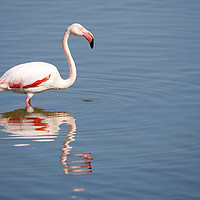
x=36 y=77
x=33 y=77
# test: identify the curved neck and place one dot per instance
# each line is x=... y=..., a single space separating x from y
x=72 y=66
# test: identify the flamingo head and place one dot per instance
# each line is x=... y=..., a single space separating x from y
x=79 y=30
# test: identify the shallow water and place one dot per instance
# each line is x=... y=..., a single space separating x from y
x=129 y=126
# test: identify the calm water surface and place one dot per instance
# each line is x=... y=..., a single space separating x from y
x=129 y=126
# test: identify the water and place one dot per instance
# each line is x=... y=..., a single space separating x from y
x=129 y=126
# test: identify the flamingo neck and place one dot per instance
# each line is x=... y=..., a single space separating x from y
x=72 y=67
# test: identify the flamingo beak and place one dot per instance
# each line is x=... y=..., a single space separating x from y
x=89 y=37
x=92 y=43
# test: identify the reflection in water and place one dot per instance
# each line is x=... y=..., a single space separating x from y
x=75 y=191
x=42 y=126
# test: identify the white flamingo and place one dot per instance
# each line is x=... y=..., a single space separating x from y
x=35 y=77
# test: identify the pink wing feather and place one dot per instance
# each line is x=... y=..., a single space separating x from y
x=28 y=75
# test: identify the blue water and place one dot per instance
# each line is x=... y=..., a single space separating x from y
x=129 y=126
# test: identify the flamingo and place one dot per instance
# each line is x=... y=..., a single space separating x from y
x=36 y=77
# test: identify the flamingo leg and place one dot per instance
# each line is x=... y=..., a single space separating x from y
x=27 y=102
x=28 y=98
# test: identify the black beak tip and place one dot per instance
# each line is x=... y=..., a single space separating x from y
x=92 y=43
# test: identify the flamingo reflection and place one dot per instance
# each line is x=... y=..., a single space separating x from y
x=39 y=125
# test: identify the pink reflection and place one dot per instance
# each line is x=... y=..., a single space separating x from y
x=76 y=191
x=38 y=125
x=75 y=164
x=42 y=126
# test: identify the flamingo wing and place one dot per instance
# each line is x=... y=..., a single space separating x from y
x=28 y=75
